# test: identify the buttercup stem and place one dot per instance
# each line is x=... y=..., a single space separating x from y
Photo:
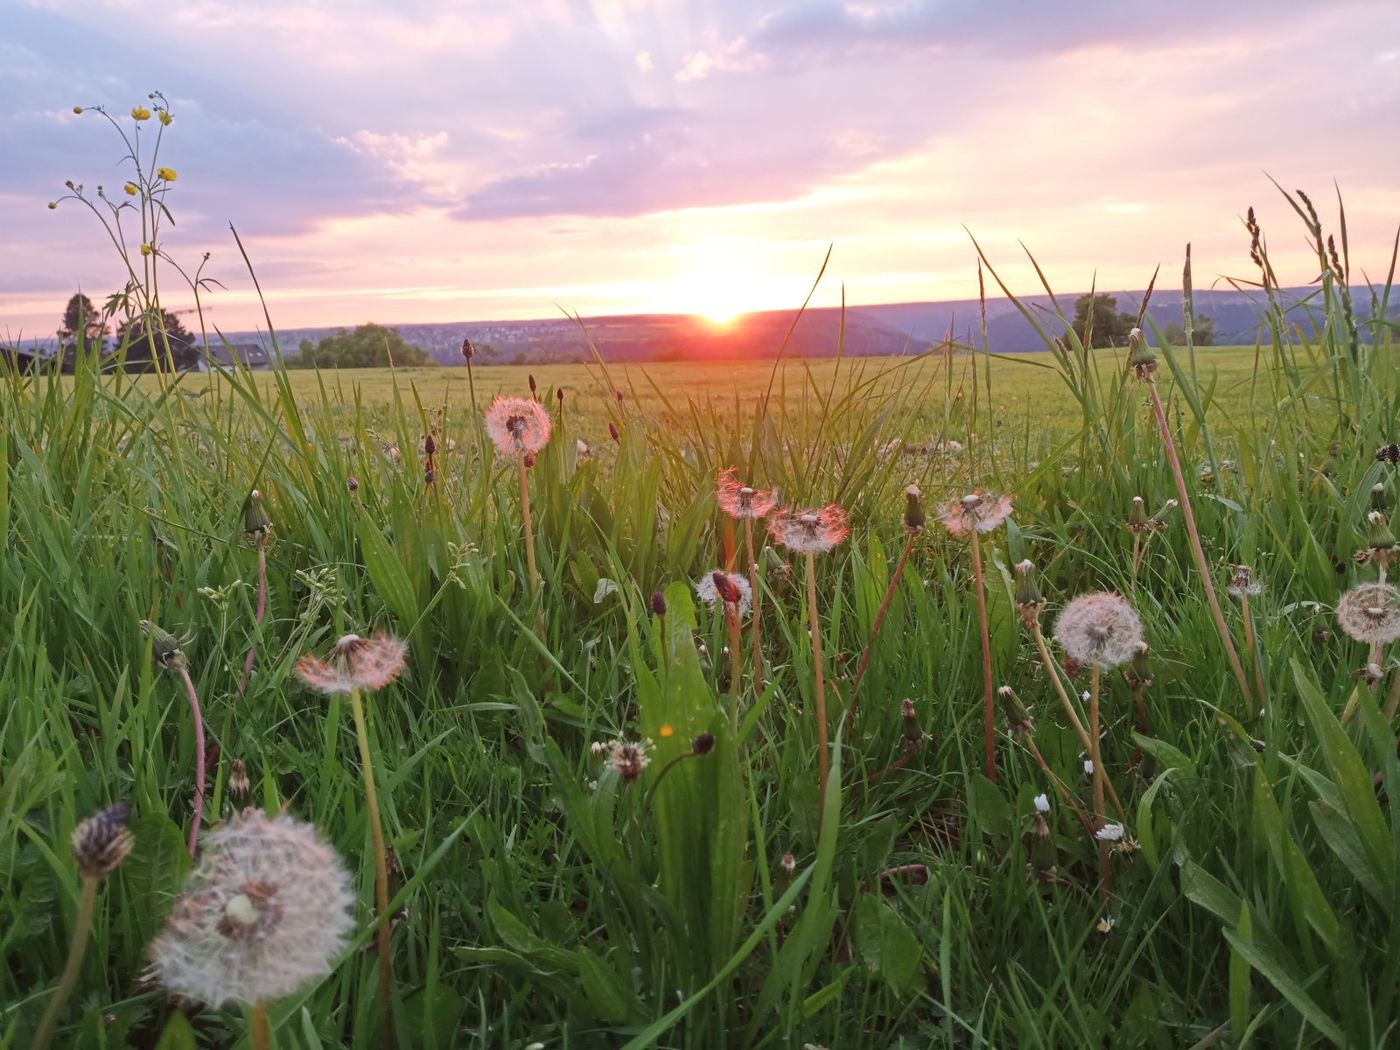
x=198 y=760
x=988 y=706
x=381 y=867
x=823 y=759
x=87 y=906
x=1197 y=552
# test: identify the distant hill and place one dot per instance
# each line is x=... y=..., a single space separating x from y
x=894 y=328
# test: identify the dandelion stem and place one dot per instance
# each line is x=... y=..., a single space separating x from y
x=879 y=621
x=818 y=675
x=381 y=866
x=988 y=705
x=1058 y=784
x=259 y=1032
x=198 y=759
x=1251 y=644
x=530 y=542
x=757 y=598
x=1105 y=877
x=1198 y=553
x=87 y=906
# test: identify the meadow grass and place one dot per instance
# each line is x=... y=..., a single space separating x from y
x=546 y=891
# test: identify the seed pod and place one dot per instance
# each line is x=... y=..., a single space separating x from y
x=914 y=516
x=102 y=842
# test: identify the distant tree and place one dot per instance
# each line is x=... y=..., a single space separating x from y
x=1109 y=327
x=368 y=346
x=80 y=317
x=1202 y=332
x=145 y=339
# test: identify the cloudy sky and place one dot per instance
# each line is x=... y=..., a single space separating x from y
x=453 y=159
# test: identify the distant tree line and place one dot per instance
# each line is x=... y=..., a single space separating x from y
x=368 y=346
x=1098 y=323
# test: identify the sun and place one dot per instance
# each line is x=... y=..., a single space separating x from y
x=720 y=314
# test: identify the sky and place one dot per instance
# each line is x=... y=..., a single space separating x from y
x=440 y=160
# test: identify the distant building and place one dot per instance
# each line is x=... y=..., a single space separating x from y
x=12 y=357
x=244 y=355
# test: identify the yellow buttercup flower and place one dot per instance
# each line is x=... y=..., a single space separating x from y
x=666 y=730
x=78 y=109
x=140 y=113
x=131 y=189
x=165 y=117
x=146 y=249
x=168 y=174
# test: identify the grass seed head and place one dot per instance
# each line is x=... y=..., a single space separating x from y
x=103 y=841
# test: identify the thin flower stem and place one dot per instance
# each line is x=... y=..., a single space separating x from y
x=87 y=906
x=1058 y=784
x=1105 y=875
x=1251 y=644
x=259 y=1031
x=530 y=544
x=260 y=613
x=1068 y=705
x=381 y=867
x=757 y=598
x=879 y=622
x=989 y=741
x=818 y=675
x=1196 y=550
x=736 y=660
x=198 y=759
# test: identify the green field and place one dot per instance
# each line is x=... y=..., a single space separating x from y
x=542 y=886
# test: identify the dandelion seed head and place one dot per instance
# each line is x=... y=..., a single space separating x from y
x=1243 y=584
x=517 y=426
x=976 y=512
x=810 y=531
x=740 y=500
x=1110 y=833
x=265 y=912
x=367 y=664
x=1370 y=613
x=1100 y=629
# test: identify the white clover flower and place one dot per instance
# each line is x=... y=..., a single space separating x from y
x=1042 y=804
x=266 y=911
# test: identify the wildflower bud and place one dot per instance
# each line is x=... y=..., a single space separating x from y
x=559 y=394
x=1380 y=498
x=914 y=516
x=429 y=446
x=1017 y=717
x=165 y=118
x=531 y=379
x=703 y=744
x=429 y=475
x=613 y=432
x=1141 y=359
x=255 y=519
x=1041 y=845
x=726 y=588
x=352 y=484
x=131 y=189
x=1159 y=520
x=628 y=759
x=597 y=748
x=1388 y=453
x=53 y=205
x=1139 y=673
x=165 y=647
x=909 y=724
x=468 y=351
x=529 y=460
x=1380 y=538
x=619 y=396
x=658 y=603
x=1028 y=596
x=102 y=842
x=238 y=782
x=1137 y=516
x=787 y=864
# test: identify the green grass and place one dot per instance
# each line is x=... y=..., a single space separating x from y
x=545 y=900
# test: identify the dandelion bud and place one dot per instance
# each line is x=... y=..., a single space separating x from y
x=619 y=396
x=238 y=783
x=613 y=432
x=1137 y=516
x=529 y=460
x=102 y=842
x=352 y=484
x=530 y=378
x=468 y=351
x=559 y=394
x=1380 y=498
x=255 y=519
x=727 y=587
x=703 y=744
x=658 y=603
x=165 y=647
x=909 y=724
x=1029 y=600
x=1380 y=538
x=1141 y=359
x=1139 y=673
x=1017 y=717
x=787 y=864
x=914 y=516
